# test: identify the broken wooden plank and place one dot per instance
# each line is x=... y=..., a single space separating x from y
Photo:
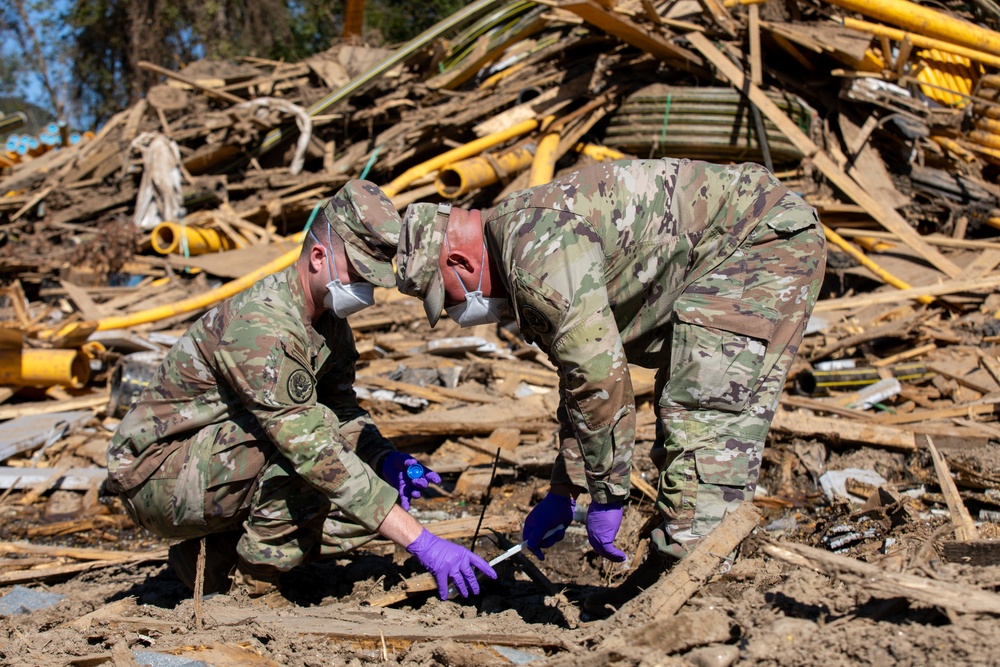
x=948 y=594
x=989 y=407
x=361 y=629
x=219 y=95
x=665 y=598
x=972 y=552
x=845 y=430
x=529 y=414
x=29 y=432
x=429 y=393
x=946 y=287
x=628 y=31
x=965 y=528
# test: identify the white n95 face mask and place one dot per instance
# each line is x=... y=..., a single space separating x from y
x=345 y=300
x=476 y=309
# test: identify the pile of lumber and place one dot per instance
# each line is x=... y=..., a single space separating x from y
x=882 y=124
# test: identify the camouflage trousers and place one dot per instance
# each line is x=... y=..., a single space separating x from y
x=734 y=336
x=284 y=520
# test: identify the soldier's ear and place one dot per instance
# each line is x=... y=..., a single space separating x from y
x=317 y=257
x=460 y=259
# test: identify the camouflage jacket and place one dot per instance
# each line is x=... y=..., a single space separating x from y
x=256 y=369
x=597 y=264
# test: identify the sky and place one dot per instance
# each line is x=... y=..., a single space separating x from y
x=44 y=19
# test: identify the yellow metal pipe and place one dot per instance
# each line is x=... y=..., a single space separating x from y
x=168 y=238
x=599 y=152
x=988 y=125
x=492 y=81
x=543 y=167
x=926 y=23
x=872 y=244
x=921 y=41
x=862 y=259
x=987 y=139
x=208 y=298
x=465 y=176
x=45 y=368
x=462 y=152
x=950 y=144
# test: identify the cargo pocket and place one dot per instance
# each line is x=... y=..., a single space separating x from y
x=235 y=474
x=717 y=351
x=188 y=503
x=722 y=482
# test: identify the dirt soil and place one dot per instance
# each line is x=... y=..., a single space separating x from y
x=758 y=612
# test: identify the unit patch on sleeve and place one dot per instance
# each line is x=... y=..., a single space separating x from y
x=300 y=386
x=535 y=319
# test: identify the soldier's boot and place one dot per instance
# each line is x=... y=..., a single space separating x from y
x=220 y=558
x=256 y=580
x=606 y=602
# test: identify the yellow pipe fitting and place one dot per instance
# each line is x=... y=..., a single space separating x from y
x=599 y=152
x=862 y=259
x=927 y=22
x=208 y=298
x=462 y=152
x=45 y=368
x=478 y=172
x=168 y=238
x=543 y=167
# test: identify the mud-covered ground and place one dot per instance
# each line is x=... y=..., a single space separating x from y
x=759 y=612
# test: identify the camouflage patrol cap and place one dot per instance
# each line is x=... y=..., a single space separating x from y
x=418 y=271
x=366 y=220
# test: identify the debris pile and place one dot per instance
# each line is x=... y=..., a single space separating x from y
x=883 y=115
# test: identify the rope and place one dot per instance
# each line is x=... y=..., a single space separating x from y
x=371 y=162
x=666 y=118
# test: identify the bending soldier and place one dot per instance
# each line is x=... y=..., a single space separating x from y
x=250 y=432
x=706 y=273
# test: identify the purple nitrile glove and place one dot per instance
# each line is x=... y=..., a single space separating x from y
x=447 y=560
x=603 y=522
x=553 y=511
x=394 y=469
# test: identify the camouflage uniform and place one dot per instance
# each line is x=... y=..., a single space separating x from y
x=251 y=422
x=707 y=273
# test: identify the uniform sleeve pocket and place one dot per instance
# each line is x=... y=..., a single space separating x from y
x=539 y=308
x=717 y=350
x=790 y=220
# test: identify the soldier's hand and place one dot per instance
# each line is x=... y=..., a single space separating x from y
x=603 y=522
x=449 y=561
x=554 y=511
x=407 y=476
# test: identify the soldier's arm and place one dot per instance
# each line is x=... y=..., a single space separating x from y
x=570 y=315
x=273 y=381
x=335 y=390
